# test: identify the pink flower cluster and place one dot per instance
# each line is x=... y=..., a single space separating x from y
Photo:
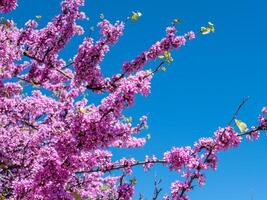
x=226 y=138
x=10 y=51
x=178 y=158
x=149 y=162
x=166 y=44
x=42 y=46
x=111 y=32
x=125 y=191
x=89 y=55
x=7 y=5
x=191 y=162
x=263 y=119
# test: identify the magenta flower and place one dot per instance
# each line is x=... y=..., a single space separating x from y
x=7 y=5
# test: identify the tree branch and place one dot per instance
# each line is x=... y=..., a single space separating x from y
x=117 y=167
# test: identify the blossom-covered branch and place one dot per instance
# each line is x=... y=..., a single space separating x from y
x=55 y=143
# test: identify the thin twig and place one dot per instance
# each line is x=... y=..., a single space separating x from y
x=71 y=63
x=238 y=109
x=157 y=190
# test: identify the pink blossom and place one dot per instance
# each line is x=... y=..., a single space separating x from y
x=149 y=162
x=178 y=158
x=125 y=192
x=166 y=44
x=7 y=5
x=264 y=110
x=226 y=138
x=191 y=35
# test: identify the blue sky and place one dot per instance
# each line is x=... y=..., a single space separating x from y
x=200 y=90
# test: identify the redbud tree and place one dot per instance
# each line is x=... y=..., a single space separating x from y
x=55 y=144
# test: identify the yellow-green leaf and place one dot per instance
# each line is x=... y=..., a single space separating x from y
x=104 y=187
x=129 y=119
x=205 y=30
x=167 y=54
x=211 y=27
x=241 y=125
x=38 y=16
x=135 y=16
x=2 y=166
x=176 y=20
x=163 y=68
x=83 y=110
x=76 y=196
x=133 y=181
x=1 y=69
x=161 y=56
x=4 y=21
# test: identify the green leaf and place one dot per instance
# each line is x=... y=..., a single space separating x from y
x=211 y=27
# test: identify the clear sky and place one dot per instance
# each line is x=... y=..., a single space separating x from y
x=200 y=90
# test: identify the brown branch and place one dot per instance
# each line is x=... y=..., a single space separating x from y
x=71 y=63
x=25 y=122
x=192 y=178
x=62 y=72
x=25 y=53
x=117 y=167
x=99 y=88
x=52 y=66
x=258 y=128
x=138 y=163
x=155 y=70
x=29 y=124
x=31 y=82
